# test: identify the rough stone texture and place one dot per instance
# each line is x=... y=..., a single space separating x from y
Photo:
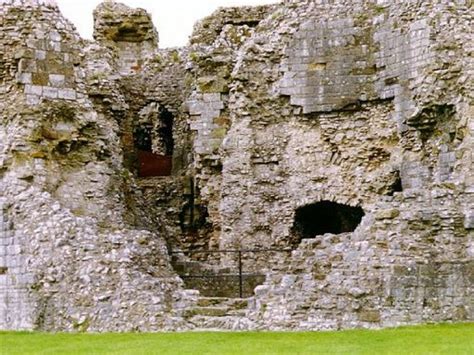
x=70 y=254
x=340 y=107
x=363 y=103
x=129 y=31
x=215 y=44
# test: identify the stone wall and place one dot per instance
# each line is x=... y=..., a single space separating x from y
x=74 y=254
x=368 y=105
x=16 y=305
x=215 y=44
x=129 y=31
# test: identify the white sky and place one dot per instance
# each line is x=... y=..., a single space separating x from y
x=174 y=19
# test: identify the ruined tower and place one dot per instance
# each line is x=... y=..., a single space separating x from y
x=324 y=147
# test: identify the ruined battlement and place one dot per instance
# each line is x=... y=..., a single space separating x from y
x=119 y=23
x=338 y=133
x=207 y=30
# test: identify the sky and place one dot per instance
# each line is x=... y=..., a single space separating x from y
x=174 y=19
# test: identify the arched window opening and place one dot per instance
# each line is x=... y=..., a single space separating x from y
x=154 y=142
x=325 y=217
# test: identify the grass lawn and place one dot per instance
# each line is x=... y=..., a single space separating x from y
x=430 y=339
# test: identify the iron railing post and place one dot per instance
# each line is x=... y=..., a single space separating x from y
x=240 y=274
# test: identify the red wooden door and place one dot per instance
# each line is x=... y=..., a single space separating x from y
x=151 y=164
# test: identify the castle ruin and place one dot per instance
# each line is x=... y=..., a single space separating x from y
x=307 y=165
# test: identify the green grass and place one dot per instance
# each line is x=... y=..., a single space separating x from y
x=430 y=339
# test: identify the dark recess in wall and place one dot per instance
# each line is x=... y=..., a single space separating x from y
x=325 y=217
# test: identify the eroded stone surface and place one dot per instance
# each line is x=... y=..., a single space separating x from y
x=74 y=257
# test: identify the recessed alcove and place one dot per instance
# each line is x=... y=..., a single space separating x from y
x=154 y=144
x=325 y=217
x=192 y=217
x=396 y=185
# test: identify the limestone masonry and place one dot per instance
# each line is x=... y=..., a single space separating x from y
x=306 y=165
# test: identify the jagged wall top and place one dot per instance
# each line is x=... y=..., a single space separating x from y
x=207 y=30
x=25 y=3
x=119 y=23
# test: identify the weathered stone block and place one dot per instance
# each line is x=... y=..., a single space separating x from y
x=372 y=316
x=56 y=80
x=24 y=78
x=388 y=214
x=469 y=219
x=50 y=92
x=67 y=94
x=33 y=90
x=32 y=100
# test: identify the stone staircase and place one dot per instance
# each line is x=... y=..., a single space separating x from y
x=219 y=306
x=216 y=281
x=218 y=314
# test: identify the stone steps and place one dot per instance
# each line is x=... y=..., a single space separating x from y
x=235 y=303
x=197 y=267
x=222 y=285
x=207 y=311
x=215 y=280
x=218 y=313
x=233 y=323
x=211 y=301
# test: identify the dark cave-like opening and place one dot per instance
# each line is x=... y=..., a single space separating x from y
x=325 y=217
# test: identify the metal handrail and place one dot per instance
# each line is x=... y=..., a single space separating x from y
x=228 y=251
x=239 y=253
x=209 y=276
